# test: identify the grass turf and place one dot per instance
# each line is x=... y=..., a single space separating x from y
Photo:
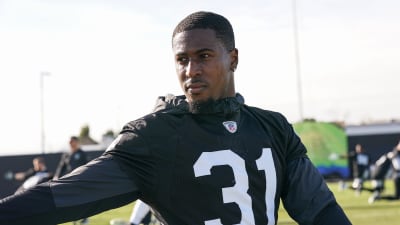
x=356 y=208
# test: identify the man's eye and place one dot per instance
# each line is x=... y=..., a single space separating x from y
x=182 y=59
x=205 y=55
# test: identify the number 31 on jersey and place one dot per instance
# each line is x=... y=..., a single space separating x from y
x=238 y=192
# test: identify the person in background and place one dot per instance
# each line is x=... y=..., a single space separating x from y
x=141 y=214
x=22 y=176
x=69 y=161
x=208 y=158
x=360 y=161
x=390 y=160
x=36 y=175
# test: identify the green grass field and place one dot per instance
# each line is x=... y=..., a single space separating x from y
x=356 y=207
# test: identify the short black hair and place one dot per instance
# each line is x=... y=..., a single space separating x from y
x=209 y=20
x=74 y=138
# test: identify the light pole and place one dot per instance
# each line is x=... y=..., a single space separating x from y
x=297 y=58
x=42 y=133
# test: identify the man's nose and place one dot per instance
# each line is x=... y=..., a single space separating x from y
x=193 y=68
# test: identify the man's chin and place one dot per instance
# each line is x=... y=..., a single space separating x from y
x=200 y=105
x=195 y=98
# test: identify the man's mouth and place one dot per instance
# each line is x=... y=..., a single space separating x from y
x=195 y=88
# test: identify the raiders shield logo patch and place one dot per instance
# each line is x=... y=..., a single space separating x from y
x=230 y=126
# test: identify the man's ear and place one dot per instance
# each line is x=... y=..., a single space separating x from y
x=234 y=54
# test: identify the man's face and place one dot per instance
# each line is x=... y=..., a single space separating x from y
x=359 y=148
x=36 y=165
x=203 y=65
x=74 y=144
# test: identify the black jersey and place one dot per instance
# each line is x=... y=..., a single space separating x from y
x=360 y=163
x=70 y=161
x=230 y=164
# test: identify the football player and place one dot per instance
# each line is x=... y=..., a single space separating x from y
x=203 y=158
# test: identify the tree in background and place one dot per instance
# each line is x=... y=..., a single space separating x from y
x=84 y=136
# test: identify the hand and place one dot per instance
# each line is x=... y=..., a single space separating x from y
x=9 y=175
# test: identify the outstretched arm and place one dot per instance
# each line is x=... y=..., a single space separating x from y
x=308 y=199
x=90 y=189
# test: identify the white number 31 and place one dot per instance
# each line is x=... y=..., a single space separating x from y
x=238 y=192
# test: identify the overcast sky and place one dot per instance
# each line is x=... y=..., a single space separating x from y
x=109 y=60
